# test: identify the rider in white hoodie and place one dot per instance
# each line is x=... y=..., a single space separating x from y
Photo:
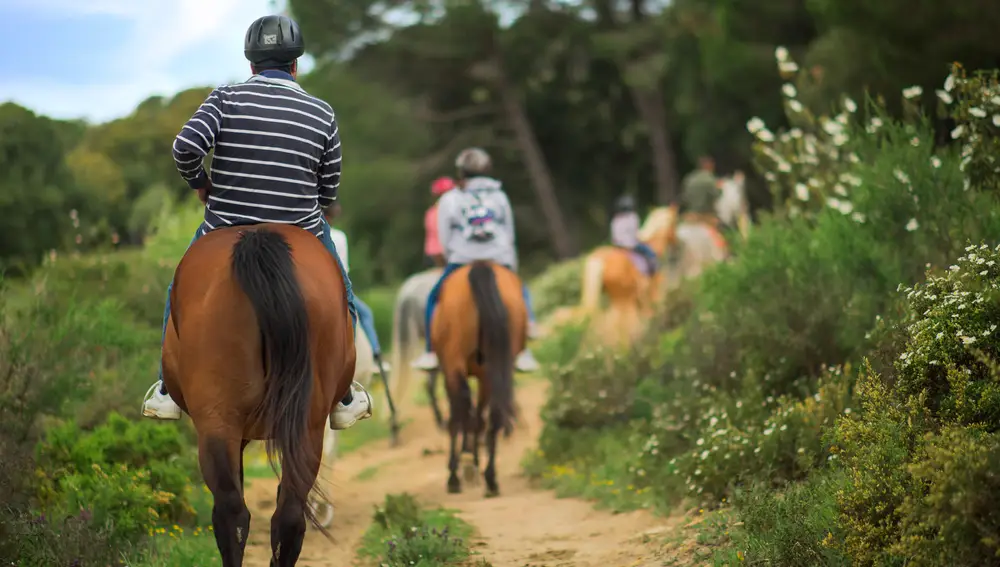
x=475 y=222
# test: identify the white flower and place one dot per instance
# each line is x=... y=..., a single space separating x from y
x=700 y=442
x=784 y=166
x=977 y=112
x=968 y=340
x=840 y=190
x=958 y=132
x=912 y=92
x=781 y=53
x=915 y=142
x=832 y=127
x=795 y=133
x=850 y=105
x=996 y=120
x=912 y=225
x=788 y=66
x=949 y=83
x=876 y=123
x=902 y=177
x=765 y=135
x=995 y=100
x=945 y=97
x=755 y=125
x=802 y=192
x=935 y=162
x=795 y=105
x=858 y=217
x=789 y=90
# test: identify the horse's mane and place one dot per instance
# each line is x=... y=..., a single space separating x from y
x=660 y=218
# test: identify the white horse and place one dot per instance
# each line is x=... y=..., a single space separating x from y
x=409 y=335
x=364 y=369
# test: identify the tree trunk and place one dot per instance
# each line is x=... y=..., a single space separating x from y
x=649 y=104
x=564 y=243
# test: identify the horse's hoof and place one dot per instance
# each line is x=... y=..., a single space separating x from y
x=492 y=492
x=470 y=472
x=455 y=488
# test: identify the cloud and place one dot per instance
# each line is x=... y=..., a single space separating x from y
x=160 y=47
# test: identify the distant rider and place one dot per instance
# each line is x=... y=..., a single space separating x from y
x=277 y=159
x=483 y=196
x=432 y=244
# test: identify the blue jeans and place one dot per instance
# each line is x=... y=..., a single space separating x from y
x=367 y=321
x=327 y=241
x=649 y=254
x=435 y=294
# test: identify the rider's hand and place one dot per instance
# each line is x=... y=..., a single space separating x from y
x=204 y=191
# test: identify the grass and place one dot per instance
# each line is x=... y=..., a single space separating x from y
x=175 y=548
x=403 y=534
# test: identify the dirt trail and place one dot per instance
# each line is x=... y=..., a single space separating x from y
x=524 y=527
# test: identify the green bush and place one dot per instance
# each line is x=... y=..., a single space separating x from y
x=732 y=448
x=955 y=338
x=954 y=520
x=403 y=534
x=557 y=286
x=154 y=456
x=793 y=527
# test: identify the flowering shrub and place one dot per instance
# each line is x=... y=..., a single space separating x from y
x=955 y=344
x=786 y=445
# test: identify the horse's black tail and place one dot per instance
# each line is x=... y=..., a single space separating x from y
x=494 y=344
x=263 y=267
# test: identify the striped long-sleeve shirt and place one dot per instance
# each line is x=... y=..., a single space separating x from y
x=277 y=153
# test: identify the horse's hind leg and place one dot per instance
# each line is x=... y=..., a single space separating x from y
x=219 y=459
x=432 y=396
x=460 y=398
x=490 y=474
x=288 y=523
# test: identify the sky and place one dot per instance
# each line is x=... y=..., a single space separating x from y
x=97 y=59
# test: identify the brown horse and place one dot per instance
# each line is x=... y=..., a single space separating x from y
x=479 y=326
x=631 y=293
x=259 y=346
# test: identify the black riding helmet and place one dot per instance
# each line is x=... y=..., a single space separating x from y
x=273 y=41
x=625 y=203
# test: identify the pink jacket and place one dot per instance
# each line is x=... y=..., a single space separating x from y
x=432 y=244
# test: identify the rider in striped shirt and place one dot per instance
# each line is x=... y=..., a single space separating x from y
x=277 y=160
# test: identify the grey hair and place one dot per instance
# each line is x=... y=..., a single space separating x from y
x=473 y=161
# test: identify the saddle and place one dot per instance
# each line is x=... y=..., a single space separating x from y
x=639 y=261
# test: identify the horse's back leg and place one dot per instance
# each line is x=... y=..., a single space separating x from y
x=460 y=399
x=221 y=465
x=288 y=523
x=432 y=397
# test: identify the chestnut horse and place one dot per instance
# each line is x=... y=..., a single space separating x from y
x=259 y=346
x=632 y=294
x=479 y=326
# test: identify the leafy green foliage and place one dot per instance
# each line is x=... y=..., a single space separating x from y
x=403 y=534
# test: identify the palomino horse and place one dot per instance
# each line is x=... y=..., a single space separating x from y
x=259 y=346
x=479 y=326
x=615 y=271
x=409 y=334
x=363 y=371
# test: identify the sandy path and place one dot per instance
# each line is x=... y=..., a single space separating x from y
x=524 y=527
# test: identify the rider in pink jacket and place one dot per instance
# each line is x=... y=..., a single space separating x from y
x=432 y=244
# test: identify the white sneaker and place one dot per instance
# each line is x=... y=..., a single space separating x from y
x=427 y=361
x=360 y=408
x=526 y=362
x=159 y=406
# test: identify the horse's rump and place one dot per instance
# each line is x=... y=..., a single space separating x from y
x=260 y=345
